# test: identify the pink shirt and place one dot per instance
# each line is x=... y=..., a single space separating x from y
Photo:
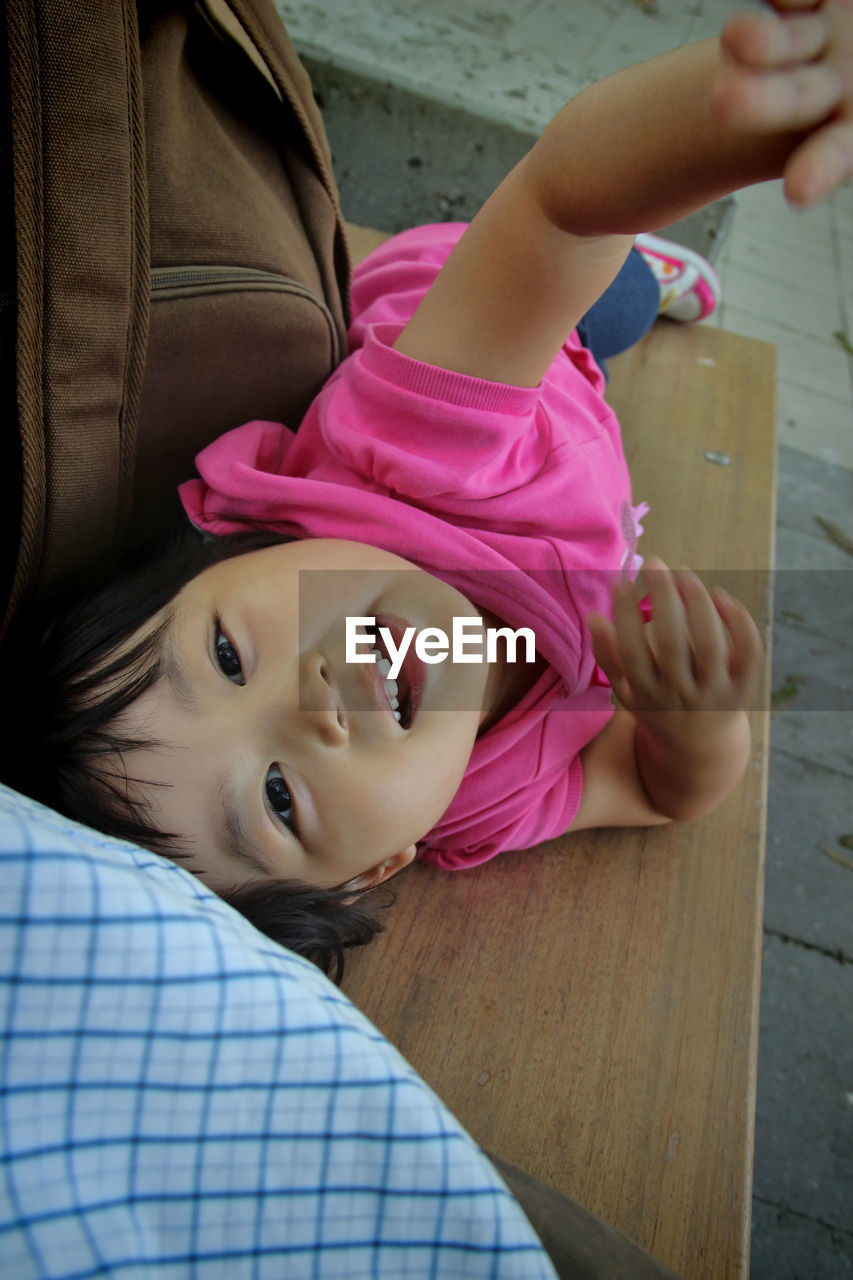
x=518 y=497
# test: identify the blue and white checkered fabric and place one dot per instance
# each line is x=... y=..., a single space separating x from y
x=182 y=1097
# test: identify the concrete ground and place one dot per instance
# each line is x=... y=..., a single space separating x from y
x=788 y=279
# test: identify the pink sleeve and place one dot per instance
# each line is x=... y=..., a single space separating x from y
x=548 y=811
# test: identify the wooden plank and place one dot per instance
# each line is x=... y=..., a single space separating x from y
x=589 y=1009
x=362 y=239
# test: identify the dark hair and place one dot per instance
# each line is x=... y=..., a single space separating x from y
x=66 y=750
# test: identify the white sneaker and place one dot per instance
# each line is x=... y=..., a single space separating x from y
x=689 y=285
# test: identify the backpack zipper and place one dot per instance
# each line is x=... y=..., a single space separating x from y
x=186 y=282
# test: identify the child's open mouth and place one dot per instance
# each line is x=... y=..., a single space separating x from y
x=402 y=693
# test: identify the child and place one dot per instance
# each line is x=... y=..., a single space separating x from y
x=462 y=464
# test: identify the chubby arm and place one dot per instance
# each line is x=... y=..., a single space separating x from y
x=632 y=779
x=633 y=152
x=614 y=794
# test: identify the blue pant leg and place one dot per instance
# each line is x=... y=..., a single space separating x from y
x=624 y=312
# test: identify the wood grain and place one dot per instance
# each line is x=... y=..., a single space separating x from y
x=362 y=240
x=589 y=1009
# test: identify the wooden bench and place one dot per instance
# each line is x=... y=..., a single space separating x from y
x=588 y=1009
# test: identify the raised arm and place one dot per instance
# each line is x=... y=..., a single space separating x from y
x=636 y=151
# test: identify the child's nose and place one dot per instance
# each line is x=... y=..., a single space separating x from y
x=319 y=703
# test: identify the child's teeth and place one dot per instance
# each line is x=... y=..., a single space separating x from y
x=391 y=686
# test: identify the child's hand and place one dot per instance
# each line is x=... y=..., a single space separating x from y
x=792 y=73
x=705 y=653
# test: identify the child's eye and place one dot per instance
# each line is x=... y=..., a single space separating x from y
x=279 y=796
x=227 y=657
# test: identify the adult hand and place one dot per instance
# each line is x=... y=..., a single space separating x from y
x=793 y=72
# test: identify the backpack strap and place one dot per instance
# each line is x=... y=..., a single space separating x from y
x=264 y=29
x=80 y=205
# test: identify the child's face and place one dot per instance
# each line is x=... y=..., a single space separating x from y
x=278 y=758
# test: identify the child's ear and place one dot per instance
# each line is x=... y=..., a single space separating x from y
x=382 y=871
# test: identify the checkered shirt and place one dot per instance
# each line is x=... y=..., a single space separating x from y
x=180 y=1097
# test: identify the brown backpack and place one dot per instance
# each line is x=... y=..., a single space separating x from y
x=179 y=265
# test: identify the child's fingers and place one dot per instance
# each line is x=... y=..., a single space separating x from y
x=747 y=648
x=776 y=101
x=788 y=6
x=674 y=662
x=763 y=42
x=605 y=646
x=635 y=656
x=604 y=643
x=821 y=164
x=707 y=632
